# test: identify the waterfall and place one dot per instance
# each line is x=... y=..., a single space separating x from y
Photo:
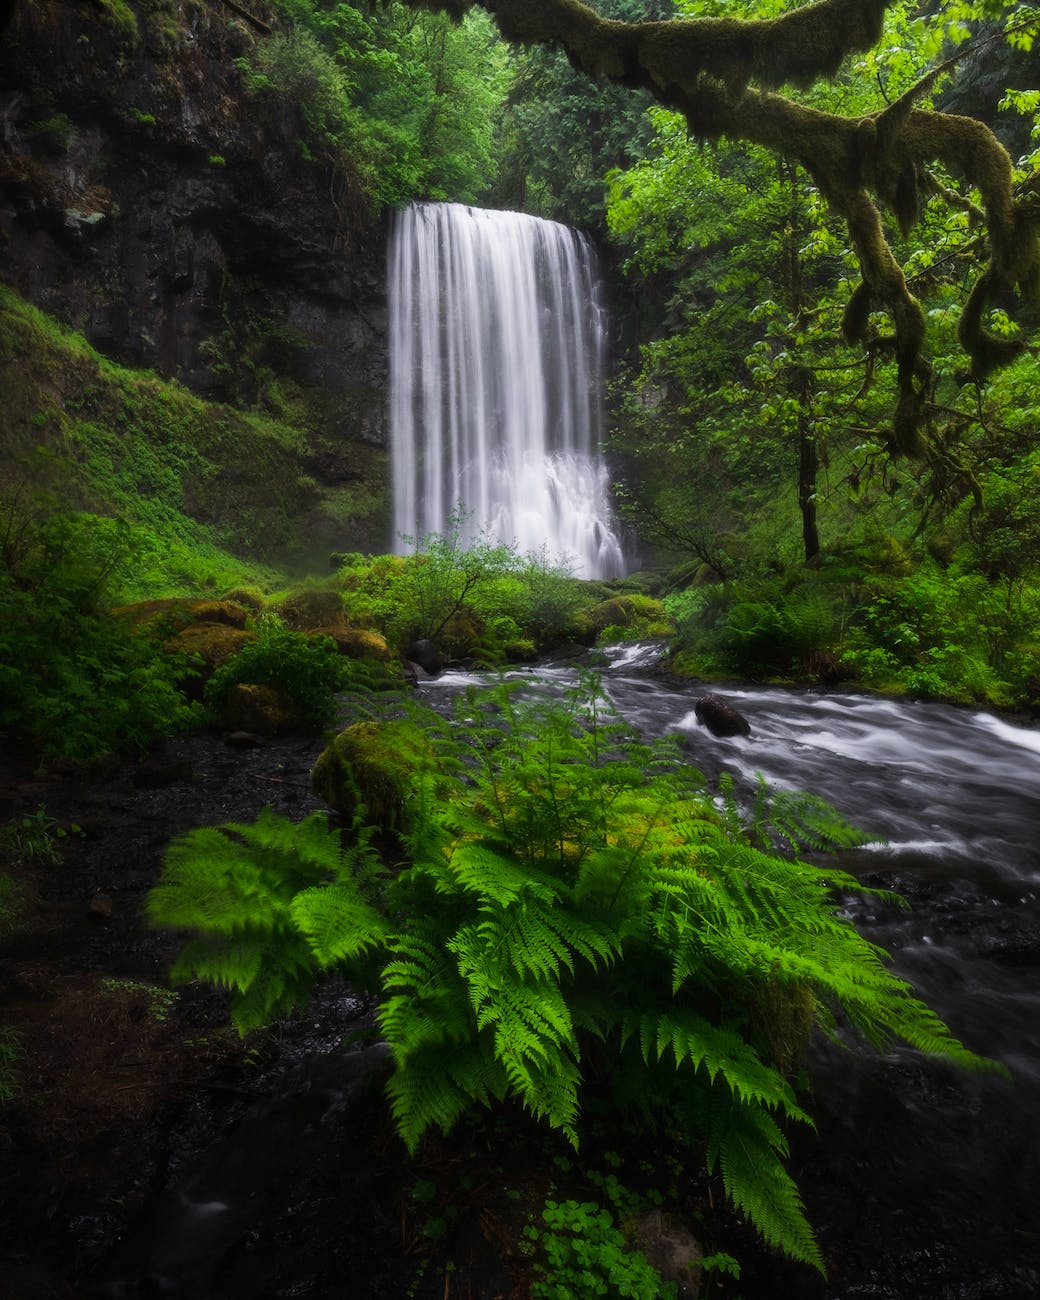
x=497 y=344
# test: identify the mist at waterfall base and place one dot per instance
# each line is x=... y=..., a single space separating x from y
x=497 y=354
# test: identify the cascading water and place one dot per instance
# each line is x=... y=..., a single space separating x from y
x=497 y=343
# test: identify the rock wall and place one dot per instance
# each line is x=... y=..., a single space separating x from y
x=147 y=200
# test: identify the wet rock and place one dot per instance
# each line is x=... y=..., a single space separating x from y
x=426 y=654
x=100 y=907
x=206 y=1216
x=672 y=1249
x=720 y=717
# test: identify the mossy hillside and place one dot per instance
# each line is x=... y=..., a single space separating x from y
x=211 y=494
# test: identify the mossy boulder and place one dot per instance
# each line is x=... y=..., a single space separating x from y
x=178 y=612
x=211 y=645
x=461 y=635
x=312 y=608
x=262 y=710
x=372 y=766
x=356 y=642
x=630 y=611
x=251 y=598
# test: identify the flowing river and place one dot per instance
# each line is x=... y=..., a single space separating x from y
x=922 y=1181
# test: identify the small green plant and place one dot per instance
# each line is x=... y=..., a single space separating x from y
x=75 y=682
x=572 y=900
x=580 y=1251
x=34 y=839
x=52 y=133
x=158 y=1002
x=307 y=668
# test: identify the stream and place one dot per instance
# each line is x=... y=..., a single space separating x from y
x=921 y=1180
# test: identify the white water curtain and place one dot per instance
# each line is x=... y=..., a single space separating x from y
x=497 y=343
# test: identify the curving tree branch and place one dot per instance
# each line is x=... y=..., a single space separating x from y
x=720 y=73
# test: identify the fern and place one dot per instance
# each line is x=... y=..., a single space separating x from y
x=748 y=1147
x=271 y=904
x=568 y=893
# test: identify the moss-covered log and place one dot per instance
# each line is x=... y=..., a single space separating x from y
x=721 y=73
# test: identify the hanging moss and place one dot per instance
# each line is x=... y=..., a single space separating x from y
x=857 y=314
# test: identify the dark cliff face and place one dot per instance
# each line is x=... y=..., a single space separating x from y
x=146 y=201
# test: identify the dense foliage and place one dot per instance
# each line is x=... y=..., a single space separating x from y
x=573 y=915
x=404 y=102
x=76 y=683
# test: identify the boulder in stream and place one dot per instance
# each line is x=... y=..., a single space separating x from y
x=720 y=717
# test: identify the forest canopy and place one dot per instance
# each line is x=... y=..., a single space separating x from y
x=722 y=73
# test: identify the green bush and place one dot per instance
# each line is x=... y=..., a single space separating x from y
x=945 y=635
x=480 y=599
x=307 y=668
x=574 y=916
x=74 y=682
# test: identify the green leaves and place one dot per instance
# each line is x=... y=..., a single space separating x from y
x=271 y=904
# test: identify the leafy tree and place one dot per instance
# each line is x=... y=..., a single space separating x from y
x=405 y=101
x=562 y=133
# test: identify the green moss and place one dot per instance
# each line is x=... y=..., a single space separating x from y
x=211 y=494
x=121 y=18
x=311 y=607
x=371 y=767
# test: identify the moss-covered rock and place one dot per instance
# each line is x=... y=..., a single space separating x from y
x=311 y=608
x=372 y=766
x=263 y=710
x=210 y=644
x=178 y=613
x=356 y=642
x=629 y=611
x=251 y=598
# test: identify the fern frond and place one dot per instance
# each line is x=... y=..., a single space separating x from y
x=747 y=1144
x=480 y=869
x=721 y=1053
x=265 y=980
x=209 y=883
x=310 y=843
x=337 y=923
x=424 y=1094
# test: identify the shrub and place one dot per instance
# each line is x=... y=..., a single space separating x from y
x=307 y=668
x=76 y=683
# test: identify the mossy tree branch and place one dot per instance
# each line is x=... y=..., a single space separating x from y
x=721 y=74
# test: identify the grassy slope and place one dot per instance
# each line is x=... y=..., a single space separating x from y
x=213 y=496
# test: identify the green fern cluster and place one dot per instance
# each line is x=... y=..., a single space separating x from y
x=573 y=904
